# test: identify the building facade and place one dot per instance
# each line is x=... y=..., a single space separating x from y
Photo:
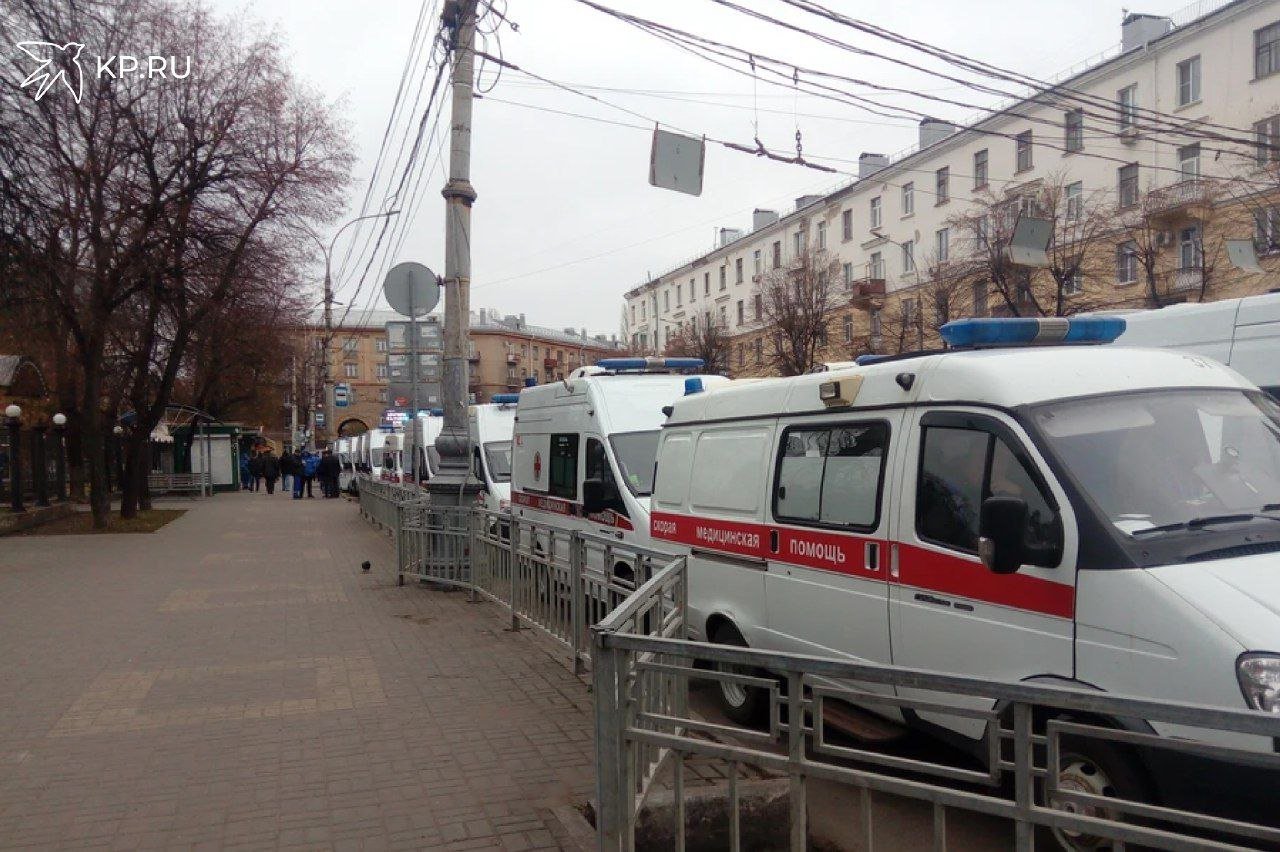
x=1143 y=165
x=505 y=351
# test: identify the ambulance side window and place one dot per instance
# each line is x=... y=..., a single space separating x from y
x=961 y=467
x=562 y=473
x=597 y=468
x=831 y=475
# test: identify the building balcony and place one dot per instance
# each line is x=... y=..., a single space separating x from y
x=513 y=358
x=863 y=290
x=1187 y=199
x=1184 y=280
x=550 y=363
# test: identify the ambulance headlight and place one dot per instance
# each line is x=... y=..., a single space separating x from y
x=1259 y=676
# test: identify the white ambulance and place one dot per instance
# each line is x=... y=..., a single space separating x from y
x=1092 y=516
x=491 y=428
x=1242 y=333
x=373 y=451
x=421 y=461
x=344 y=449
x=584 y=448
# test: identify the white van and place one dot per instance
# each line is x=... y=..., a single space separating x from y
x=1080 y=515
x=491 y=428
x=421 y=460
x=391 y=468
x=584 y=448
x=342 y=449
x=1243 y=333
x=377 y=438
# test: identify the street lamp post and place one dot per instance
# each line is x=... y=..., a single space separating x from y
x=328 y=311
x=39 y=468
x=13 y=417
x=60 y=455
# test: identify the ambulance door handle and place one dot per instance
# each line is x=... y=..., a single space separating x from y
x=872 y=557
x=893 y=561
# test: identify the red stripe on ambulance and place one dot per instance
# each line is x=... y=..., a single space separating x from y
x=919 y=567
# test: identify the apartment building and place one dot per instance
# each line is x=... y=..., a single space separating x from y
x=505 y=351
x=1144 y=162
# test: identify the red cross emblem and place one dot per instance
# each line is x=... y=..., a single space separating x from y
x=537 y=466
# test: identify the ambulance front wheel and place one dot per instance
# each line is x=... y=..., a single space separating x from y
x=1099 y=768
x=746 y=705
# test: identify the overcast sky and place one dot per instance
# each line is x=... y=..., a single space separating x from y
x=566 y=222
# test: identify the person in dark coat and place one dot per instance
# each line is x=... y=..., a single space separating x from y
x=270 y=470
x=255 y=470
x=328 y=470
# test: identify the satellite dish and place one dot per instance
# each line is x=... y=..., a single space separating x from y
x=411 y=289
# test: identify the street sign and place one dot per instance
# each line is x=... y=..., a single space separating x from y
x=411 y=289
x=319 y=418
x=675 y=162
x=341 y=395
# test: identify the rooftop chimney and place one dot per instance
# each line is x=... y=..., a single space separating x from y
x=729 y=235
x=934 y=130
x=805 y=200
x=763 y=218
x=869 y=164
x=1138 y=29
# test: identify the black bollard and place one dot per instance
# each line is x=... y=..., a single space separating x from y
x=15 y=462
x=39 y=470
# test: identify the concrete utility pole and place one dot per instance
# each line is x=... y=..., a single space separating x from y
x=453 y=485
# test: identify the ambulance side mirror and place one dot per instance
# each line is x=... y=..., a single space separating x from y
x=593 y=499
x=1002 y=526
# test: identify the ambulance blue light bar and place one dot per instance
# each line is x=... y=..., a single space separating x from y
x=1031 y=331
x=650 y=363
x=692 y=385
x=505 y=398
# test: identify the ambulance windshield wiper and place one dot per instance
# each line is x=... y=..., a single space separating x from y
x=1207 y=520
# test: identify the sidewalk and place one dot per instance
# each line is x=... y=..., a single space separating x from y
x=234 y=680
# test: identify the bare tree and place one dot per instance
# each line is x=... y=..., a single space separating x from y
x=140 y=206
x=707 y=341
x=796 y=301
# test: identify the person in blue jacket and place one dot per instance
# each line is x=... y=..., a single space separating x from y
x=310 y=462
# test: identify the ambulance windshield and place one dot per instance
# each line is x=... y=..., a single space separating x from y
x=637 y=457
x=1169 y=462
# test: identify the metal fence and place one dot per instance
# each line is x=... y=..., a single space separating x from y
x=642 y=674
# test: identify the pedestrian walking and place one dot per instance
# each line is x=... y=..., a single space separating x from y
x=270 y=470
x=310 y=463
x=288 y=469
x=328 y=470
x=255 y=470
x=246 y=477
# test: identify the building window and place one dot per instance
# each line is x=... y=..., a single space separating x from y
x=742 y=355
x=758 y=305
x=757 y=264
x=666 y=300
x=1074 y=285
x=797 y=243
x=1189 y=254
x=350 y=345
x=1266 y=230
x=1127 y=262
x=1127 y=179
x=847 y=269
x=981 y=228
x=980 y=169
x=741 y=312
x=1267 y=132
x=759 y=350
x=875 y=213
x=1189 y=161
x=846 y=225
x=777 y=253
x=1073 y=121
x=875 y=268
x=737 y=271
x=908 y=199
x=1022 y=150
x=352 y=371
x=942 y=179
x=1266 y=50
x=820 y=335
x=874 y=322
x=382 y=395
x=980 y=299
x=909 y=256
x=942 y=244
x=1075 y=201
x=848 y=328
x=706 y=284
x=822 y=236
x=644 y=307
x=1189 y=81
x=380 y=344
x=1127 y=112
x=1023 y=280
x=679 y=295
x=380 y=370
x=723 y=278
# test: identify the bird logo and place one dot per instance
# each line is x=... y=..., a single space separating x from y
x=58 y=63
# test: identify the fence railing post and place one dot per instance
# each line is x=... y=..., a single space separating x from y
x=396 y=530
x=576 y=561
x=1024 y=782
x=514 y=551
x=611 y=774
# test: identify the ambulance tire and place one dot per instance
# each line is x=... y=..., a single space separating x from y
x=746 y=705
x=1097 y=767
